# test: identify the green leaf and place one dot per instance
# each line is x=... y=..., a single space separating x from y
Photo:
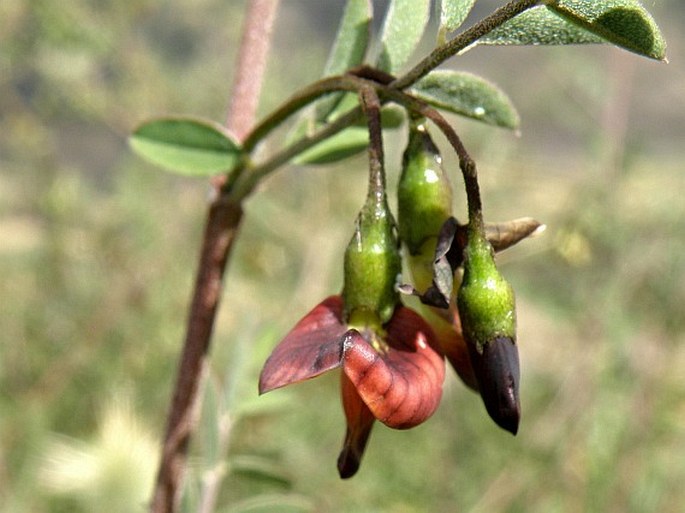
x=344 y=144
x=349 y=142
x=259 y=468
x=273 y=503
x=185 y=146
x=624 y=23
x=402 y=29
x=210 y=425
x=348 y=49
x=452 y=14
x=467 y=95
x=538 y=26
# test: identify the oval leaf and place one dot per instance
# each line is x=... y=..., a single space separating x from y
x=624 y=23
x=403 y=27
x=186 y=146
x=538 y=26
x=348 y=49
x=342 y=145
x=468 y=95
x=452 y=14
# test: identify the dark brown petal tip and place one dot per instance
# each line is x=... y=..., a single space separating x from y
x=360 y=420
x=498 y=373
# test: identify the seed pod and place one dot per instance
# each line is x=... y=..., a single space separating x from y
x=372 y=263
x=488 y=316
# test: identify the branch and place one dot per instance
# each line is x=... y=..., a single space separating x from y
x=463 y=40
x=249 y=179
x=221 y=228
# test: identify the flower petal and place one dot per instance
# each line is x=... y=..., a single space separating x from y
x=312 y=347
x=359 y=423
x=447 y=329
x=403 y=386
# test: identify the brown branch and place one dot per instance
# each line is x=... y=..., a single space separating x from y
x=221 y=228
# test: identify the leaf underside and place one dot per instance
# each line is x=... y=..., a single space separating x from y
x=624 y=23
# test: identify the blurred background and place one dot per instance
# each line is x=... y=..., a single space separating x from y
x=98 y=253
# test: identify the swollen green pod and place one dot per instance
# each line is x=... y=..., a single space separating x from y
x=488 y=316
x=372 y=263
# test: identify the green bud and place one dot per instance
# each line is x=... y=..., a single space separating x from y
x=372 y=264
x=424 y=194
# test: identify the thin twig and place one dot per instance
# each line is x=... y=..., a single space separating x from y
x=252 y=176
x=462 y=41
x=221 y=228
x=371 y=106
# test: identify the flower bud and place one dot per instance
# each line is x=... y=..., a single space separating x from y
x=488 y=315
x=424 y=194
x=372 y=263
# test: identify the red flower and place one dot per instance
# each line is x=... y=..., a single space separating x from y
x=393 y=374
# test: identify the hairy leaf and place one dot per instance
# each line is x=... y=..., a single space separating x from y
x=186 y=146
x=624 y=23
x=538 y=26
x=452 y=15
x=468 y=95
x=348 y=49
x=403 y=27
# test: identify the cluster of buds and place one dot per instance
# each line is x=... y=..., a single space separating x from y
x=392 y=357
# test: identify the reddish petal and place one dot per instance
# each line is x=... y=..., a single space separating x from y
x=312 y=347
x=359 y=423
x=454 y=346
x=402 y=387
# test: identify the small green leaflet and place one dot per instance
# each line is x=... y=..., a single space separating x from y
x=344 y=144
x=624 y=23
x=348 y=49
x=349 y=142
x=189 y=147
x=402 y=30
x=467 y=95
x=452 y=14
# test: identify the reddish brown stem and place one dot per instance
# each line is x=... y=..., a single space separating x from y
x=221 y=228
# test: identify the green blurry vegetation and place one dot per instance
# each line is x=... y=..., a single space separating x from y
x=97 y=254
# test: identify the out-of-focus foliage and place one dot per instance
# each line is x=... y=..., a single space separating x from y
x=98 y=252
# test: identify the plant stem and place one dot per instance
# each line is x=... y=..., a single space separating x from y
x=371 y=106
x=221 y=228
x=466 y=163
x=462 y=41
x=249 y=180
